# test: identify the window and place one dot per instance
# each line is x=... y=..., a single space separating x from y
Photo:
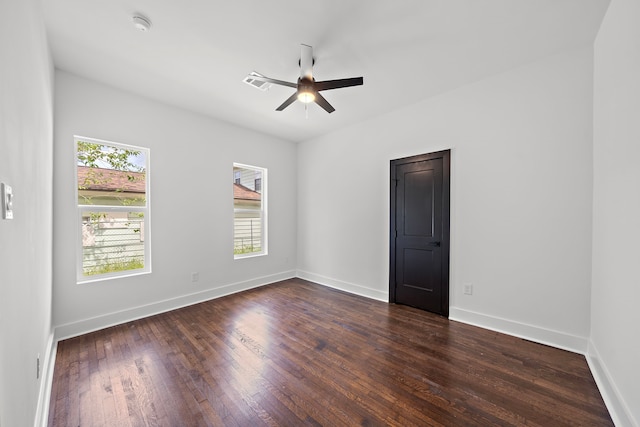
x=113 y=209
x=249 y=211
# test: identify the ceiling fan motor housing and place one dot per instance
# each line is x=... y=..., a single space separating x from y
x=306 y=85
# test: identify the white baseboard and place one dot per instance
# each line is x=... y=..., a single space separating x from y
x=46 y=380
x=344 y=286
x=84 y=326
x=537 y=334
x=618 y=409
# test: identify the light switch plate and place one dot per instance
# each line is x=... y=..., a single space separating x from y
x=6 y=201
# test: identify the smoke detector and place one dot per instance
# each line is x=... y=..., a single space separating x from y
x=141 y=23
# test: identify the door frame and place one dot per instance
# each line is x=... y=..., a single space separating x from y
x=446 y=221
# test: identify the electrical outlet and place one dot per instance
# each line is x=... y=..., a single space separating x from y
x=195 y=277
x=468 y=289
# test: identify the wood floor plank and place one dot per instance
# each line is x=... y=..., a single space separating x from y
x=297 y=353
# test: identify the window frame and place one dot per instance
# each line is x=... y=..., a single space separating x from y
x=263 y=212
x=83 y=210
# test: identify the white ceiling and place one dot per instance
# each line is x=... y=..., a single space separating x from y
x=198 y=51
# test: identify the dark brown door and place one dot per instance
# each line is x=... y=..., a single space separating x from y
x=419 y=239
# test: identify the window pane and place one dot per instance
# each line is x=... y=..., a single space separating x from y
x=112 y=242
x=110 y=175
x=247 y=230
x=248 y=224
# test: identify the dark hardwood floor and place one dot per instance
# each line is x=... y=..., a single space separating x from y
x=297 y=353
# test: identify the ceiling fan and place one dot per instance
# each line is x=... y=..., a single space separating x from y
x=307 y=88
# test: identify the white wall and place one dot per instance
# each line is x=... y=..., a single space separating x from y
x=521 y=198
x=521 y=204
x=25 y=242
x=614 y=350
x=191 y=175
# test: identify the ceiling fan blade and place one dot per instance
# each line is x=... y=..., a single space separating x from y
x=336 y=84
x=288 y=102
x=324 y=103
x=306 y=62
x=274 y=81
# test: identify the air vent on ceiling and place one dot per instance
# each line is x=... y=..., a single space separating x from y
x=256 y=83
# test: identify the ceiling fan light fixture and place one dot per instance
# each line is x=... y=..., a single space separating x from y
x=306 y=96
